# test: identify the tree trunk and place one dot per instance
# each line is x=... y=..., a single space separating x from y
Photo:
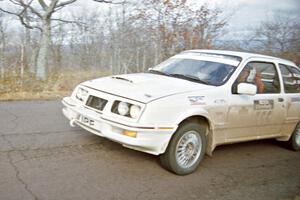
x=23 y=61
x=111 y=66
x=26 y=44
x=156 y=53
x=144 y=60
x=42 y=58
x=2 y=60
x=137 y=60
x=2 y=56
x=33 y=60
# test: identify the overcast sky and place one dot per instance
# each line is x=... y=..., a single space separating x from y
x=249 y=13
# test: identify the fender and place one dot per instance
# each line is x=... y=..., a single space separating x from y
x=196 y=112
x=211 y=144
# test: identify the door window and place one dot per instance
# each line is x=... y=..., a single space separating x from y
x=291 y=78
x=262 y=74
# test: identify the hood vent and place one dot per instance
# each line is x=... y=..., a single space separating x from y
x=121 y=78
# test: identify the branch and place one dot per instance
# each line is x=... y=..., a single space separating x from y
x=68 y=21
x=62 y=4
x=21 y=18
x=28 y=25
x=28 y=5
x=25 y=6
x=8 y=12
x=55 y=6
x=16 y=2
x=50 y=9
x=43 y=4
x=110 y=1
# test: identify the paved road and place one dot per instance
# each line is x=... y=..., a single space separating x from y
x=41 y=157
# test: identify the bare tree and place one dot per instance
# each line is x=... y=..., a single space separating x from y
x=2 y=45
x=41 y=19
x=278 y=35
x=38 y=14
x=176 y=26
x=128 y=37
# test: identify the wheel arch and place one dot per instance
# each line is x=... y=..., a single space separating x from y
x=198 y=119
x=202 y=118
x=200 y=115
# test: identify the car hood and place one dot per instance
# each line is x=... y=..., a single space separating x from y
x=144 y=87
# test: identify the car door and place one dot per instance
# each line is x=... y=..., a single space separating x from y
x=291 y=81
x=260 y=115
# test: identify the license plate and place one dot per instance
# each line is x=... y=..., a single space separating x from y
x=87 y=121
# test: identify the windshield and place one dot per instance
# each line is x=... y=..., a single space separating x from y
x=207 y=72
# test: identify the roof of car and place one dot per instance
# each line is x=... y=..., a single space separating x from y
x=243 y=55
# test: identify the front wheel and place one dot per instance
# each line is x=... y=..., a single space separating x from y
x=295 y=139
x=186 y=149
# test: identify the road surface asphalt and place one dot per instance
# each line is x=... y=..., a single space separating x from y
x=42 y=157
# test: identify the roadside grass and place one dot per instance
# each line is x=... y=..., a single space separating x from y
x=57 y=85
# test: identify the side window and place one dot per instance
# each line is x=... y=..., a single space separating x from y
x=261 y=74
x=291 y=78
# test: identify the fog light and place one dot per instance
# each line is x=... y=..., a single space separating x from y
x=130 y=133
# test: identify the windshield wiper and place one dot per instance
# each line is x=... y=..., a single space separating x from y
x=189 y=77
x=157 y=72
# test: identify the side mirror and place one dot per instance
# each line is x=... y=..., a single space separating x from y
x=246 y=88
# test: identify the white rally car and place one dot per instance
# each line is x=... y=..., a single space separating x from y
x=192 y=102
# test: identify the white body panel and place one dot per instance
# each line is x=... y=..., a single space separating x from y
x=167 y=101
x=144 y=87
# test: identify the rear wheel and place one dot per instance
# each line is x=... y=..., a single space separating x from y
x=186 y=149
x=295 y=139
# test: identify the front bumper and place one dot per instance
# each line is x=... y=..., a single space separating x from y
x=149 y=139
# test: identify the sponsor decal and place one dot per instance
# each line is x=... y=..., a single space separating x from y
x=263 y=104
x=295 y=99
x=220 y=101
x=197 y=100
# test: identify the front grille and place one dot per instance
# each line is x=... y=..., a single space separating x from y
x=96 y=103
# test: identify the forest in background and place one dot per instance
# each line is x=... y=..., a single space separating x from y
x=52 y=49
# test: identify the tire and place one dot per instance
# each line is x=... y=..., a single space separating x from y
x=294 y=141
x=186 y=148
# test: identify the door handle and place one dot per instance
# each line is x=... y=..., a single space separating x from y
x=280 y=100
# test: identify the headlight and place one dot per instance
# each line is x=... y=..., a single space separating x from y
x=81 y=94
x=123 y=108
x=135 y=111
x=126 y=109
